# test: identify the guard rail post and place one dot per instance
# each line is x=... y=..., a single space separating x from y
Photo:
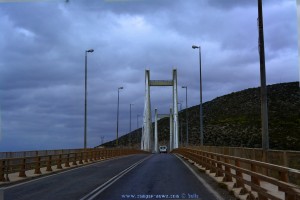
x=205 y=161
x=90 y=155
x=283 y=176
x=59 y=161
x=86 y=159
x=196 y=157
x=49 y=163
x=112 y=153
x=23 y=167
x=106 y=153
x=74 y=159
x=37 y=165
x=227 y=177
x=67 y=163
x=95 y=154
x=213 y=164
x=2 y=169
x=238 y=182
x=100 y=154
x=256 y=181
x=239 y=177
x=7 y=170
x=81 y=158
x=219 y=172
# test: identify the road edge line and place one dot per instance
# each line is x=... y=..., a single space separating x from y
x=205 y=184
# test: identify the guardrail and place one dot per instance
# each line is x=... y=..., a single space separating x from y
x=285 y=158
x=18 y=154
x=252 y=176
x=22 y=164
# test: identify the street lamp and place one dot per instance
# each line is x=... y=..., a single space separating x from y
x=130 y=117
x=201 y=111
x=85 y=95
x=117 y=141
x=180 y=122
x=137 y=121
x=186 y=116
x=130 y=124
x=263 y=84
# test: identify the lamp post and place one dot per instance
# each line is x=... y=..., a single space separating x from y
x=180 y=122
x=85 y=96
x=130 y=124
x=130 y=117
x=137 y=121
x=263 y=85
x=117 y=141
x=201 y=111
x=186 y=116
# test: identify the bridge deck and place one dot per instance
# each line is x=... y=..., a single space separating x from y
x=160 y=174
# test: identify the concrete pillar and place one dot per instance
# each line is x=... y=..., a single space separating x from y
x=147 y=137
x=175 y=110
x=171 y=129
x=155 y=133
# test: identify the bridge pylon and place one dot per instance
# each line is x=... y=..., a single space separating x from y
x=147 y=142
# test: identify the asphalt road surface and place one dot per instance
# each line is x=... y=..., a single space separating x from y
x=141 y=177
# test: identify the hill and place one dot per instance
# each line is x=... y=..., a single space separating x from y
x=234 y=120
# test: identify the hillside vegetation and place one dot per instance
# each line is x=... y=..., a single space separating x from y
x=234 y=120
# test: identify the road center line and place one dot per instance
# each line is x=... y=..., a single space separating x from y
x=108 y=183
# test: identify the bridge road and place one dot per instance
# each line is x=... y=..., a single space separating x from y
x=131 y=177
x=162 y=176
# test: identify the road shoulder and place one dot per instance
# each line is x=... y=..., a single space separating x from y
x=210 y=183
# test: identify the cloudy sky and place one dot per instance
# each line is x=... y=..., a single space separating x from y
x=42 y=45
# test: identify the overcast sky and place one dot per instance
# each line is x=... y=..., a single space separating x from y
x=42 y=47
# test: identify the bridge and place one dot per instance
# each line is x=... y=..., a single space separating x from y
x=185 y=173
x=190 y=172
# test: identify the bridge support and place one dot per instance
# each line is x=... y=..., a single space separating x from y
x=155 y=133
x=147 y=124
x=147 y=134
x=171 y=130
x=156 y=118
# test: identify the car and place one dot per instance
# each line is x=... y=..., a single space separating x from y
x=163 y=149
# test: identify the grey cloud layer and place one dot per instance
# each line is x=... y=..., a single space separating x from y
x=42 y=61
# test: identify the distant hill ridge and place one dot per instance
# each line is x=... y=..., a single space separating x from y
x=234 y=120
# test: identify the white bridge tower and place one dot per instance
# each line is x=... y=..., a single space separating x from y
x=147 y=143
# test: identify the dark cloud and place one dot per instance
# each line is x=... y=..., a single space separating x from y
x=42 y=61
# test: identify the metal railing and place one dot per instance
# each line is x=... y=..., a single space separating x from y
x=81 y=156
x=250 y=175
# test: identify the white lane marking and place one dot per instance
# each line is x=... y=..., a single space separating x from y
x=66 y=170
x=108 y=183
x=208 y=187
